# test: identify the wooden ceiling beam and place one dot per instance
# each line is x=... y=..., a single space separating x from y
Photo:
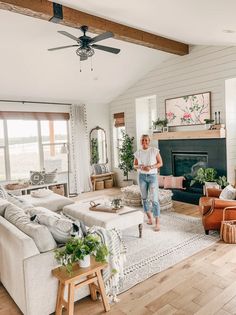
x=43 y=9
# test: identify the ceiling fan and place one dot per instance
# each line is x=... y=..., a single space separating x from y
x=86 y=44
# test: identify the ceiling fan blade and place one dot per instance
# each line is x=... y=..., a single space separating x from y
x=82 y=58
x=106 y=48
x=62 y=47
x=102 y=37
x=68 y=35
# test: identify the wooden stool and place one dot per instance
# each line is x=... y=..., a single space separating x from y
x=92 y=274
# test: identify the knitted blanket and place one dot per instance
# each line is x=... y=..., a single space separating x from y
x=113 y=275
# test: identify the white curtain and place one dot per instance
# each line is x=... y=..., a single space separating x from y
x=79 y=150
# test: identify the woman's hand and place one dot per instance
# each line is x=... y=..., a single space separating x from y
x=146 y=168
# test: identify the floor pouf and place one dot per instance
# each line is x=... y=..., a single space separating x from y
x=132 y=197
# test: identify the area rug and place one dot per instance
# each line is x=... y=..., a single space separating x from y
x=180 y=237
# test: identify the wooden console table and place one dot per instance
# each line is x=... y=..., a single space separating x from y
x=92 y=274
x=95 y=178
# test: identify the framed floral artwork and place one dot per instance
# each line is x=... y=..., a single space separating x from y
x=188 y=110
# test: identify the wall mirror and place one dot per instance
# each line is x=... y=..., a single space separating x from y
x=98 y=146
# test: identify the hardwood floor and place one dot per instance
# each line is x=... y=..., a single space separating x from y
x=203 y=284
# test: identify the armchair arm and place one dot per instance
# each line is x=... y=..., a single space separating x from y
x=220 y=203
x=213 y=192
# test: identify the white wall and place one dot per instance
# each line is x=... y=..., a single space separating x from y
x=205 y=69
x=230 y=101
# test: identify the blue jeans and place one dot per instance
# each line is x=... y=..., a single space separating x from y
x=149 y=187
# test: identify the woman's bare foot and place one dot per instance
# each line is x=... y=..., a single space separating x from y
x=149 y=218
x=157 y=228
x=157 y=225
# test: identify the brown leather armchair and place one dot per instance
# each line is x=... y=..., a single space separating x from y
x=211 y=209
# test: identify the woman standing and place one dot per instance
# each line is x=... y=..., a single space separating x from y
x=147 y=161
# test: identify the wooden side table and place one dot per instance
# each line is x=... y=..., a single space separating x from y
x=93 y=279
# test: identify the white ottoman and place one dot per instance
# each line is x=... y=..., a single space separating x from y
x=122 y=220
x=53 y=202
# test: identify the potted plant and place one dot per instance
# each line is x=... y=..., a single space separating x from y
x=94 y=151
x=126 y=156
x=79 y=250
x=160 y=125
x=209 y=123
x=222 y=181
x=205 y=176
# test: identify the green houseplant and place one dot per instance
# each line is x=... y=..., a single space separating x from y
x=159 y=124
x=204 y=175
x=79 y=249
x=126 y=154
x=94 y=151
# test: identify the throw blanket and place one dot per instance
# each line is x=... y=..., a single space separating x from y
x=113 y=275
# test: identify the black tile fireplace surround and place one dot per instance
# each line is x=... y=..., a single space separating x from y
x=207 y=152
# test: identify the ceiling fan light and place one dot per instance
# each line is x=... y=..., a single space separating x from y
x=85 y=51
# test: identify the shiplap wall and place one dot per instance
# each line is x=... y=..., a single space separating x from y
x=205 y=69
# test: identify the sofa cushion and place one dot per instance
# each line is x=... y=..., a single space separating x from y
x=3 y=205
x=228 y=193
x=17 y=201
x=53 y=202
x=39 y=233
x=62 y=228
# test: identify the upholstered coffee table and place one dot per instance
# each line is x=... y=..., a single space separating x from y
x=122 y=220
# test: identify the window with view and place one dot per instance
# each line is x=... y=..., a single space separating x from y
x=2 y=153
x=119 y=126
x=33 y=144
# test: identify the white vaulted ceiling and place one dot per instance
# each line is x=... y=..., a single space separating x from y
x=30 y=72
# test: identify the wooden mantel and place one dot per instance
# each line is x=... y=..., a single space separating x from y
x=192 y=134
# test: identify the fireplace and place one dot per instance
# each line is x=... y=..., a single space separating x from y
x=187 y=163
x=184 y=157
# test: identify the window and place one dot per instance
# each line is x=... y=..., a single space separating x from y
x=55 y=147
x=32 y=144
x=119 y=127
x=2 y=153
x=23 y=147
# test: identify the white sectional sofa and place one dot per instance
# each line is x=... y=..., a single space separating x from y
x=26 y=273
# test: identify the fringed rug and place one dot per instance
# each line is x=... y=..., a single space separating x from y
x=180 y=237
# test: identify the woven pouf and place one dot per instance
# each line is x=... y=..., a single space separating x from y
x=132 y=197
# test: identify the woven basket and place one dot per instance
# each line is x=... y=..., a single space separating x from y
x=108 y=183
x=99 y=185
x=228 y=230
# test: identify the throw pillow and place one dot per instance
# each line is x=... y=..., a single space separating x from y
x=17 y=201
x=173 y=182
x=3 y=193
x=40 y=193
x=49 y=177
x=62 y=228
x=37 y=178
x=97 y=169
x=228 y=193
x=39 y=233
x=161 y=180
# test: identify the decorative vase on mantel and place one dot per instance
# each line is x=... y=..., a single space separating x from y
x=85 y=263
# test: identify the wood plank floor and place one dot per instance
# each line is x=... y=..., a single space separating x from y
x=203 y=284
